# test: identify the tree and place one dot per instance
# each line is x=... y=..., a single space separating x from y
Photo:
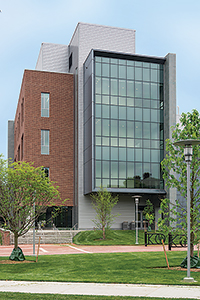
x=148 y=212
x=175 y=176
x=23 y=187
x=103 y=203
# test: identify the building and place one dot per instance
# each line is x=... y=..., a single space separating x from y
x=97 y=114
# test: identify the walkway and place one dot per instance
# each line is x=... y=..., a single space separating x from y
x=101 y=289
x=50 y=249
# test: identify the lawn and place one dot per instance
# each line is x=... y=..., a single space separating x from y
x=23 y=296
x=113 y=237
x=137 y=267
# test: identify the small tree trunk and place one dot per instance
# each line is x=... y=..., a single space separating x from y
x=192 y=244
x=104 y=236
x=16 y=240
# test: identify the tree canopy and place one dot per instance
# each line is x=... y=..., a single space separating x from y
x=22 y=186
x=175 y=176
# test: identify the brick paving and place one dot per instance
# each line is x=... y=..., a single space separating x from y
x=50 y=249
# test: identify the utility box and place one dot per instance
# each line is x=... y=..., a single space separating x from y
x=125 y=225
x=132 y=225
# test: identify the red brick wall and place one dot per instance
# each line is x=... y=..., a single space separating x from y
x=60 y=123
x=5 y=237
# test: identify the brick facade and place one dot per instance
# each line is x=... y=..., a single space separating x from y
x=60 y=123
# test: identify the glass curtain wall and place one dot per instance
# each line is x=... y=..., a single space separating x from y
x=128 y=123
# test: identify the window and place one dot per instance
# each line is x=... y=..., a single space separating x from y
x=70 y=61
x=44 y=105
x=44 y=141
x=46 y=172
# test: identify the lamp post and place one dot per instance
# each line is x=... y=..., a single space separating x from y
x=188 y=158
x=137 y=198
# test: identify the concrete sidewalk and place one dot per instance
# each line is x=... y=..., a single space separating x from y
x=70 y=288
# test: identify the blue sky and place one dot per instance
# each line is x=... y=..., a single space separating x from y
x=162 y=27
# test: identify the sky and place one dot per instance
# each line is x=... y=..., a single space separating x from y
x=161 y=26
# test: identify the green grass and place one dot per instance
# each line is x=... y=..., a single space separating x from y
x=23 y=296
x=113 y=237
x=140 y=267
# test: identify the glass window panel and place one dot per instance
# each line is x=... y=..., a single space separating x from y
x=130 y=63
x=97 y=58
x=154 y=75
x=138 y=73
x=130 y=154
x=138 y=63
x=98 y=69
x=130 y=170
x=114 y=128
x=105 y=70
x=98 y=85
x=130 y=102
x=146 y=74
x=138 y=154
x=122 y=142
x=45 y=142
x=114 y=100
x=114 y=112
x=146 y=103
x=146 y=143
x=114 y=141
x=122 y=183
x=130 y=129
x=122 y=170
x=114 y=60
x=105 y=169
x=122 y=72
x=98 y=152
x=154 y=66
x=114 y=87
x=105 y=111
x=138 y=89
x=146 y=65
x=105 y=86
x=122 y=101
x=155 y=104
x=44 y=104
x=130 y=113
x=122 y=62
x=105 y=153
x=98 y=182
x=138 y=143
x=105 y=127
x=146 y=130
x=114 y=153
x=98 y=140
x=155 y=170
x=114 y=169
x=122 y=87
x=114 y=183
x=138 y=169
x=154 y=91
x=130 y=73
x=105 y=99
x=154 y=131
x=161 y=92
x=155 y=155
x=114 y=71
x=122 y=154
x=146 y=168
x=98 y=126
x=98 y=111
x=154 y=115
x=138 y=102
x=138 y=114
x=106 y=183
x=138 y=129
x=130 y=88
x=105 y=141
x=130 y=142
x=161 y=76
x=122 y=128
x=98 y=98
x=146 y=90
x=105 y=59
x=146 y=114
x=155 y=144
x=98 y=168
x=122 y=112
x=146 y=155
